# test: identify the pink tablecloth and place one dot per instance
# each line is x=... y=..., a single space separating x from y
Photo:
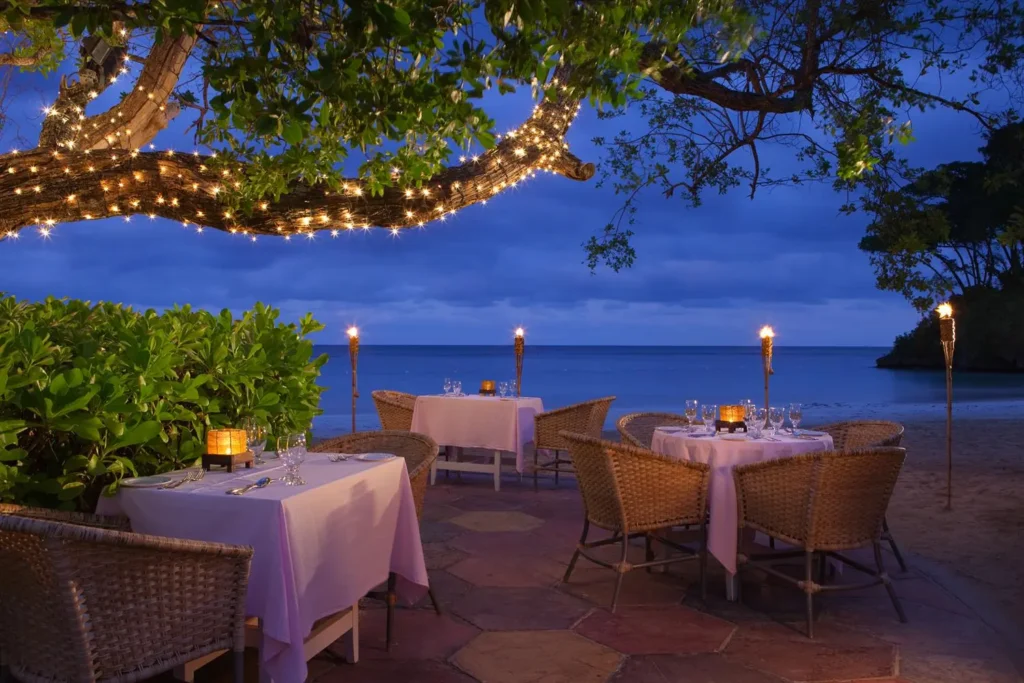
x=319 y=548
x=722 y=456
x=499 y=424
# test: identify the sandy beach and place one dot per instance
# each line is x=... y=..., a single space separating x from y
x=979 y=541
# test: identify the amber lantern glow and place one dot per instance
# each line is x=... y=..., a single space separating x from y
x=225 y=442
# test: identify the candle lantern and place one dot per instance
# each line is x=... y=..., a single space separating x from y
x=520 y=348
x=767 y=350
x=353 y=353
x=947 y=335
x=227 y=448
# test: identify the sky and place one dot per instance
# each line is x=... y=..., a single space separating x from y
x=710 y=275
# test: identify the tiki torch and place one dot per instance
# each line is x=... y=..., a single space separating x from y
x=520 y=347
x=353 y=353
x=767 y=348
x=947 y=334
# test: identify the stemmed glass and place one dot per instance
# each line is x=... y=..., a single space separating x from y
x=796 y=413
x=708 y=413
x=503 y=389
x=295 y=455
x=281 y=450
x=691 y=414
x=755 y=421
x=776 y=417
x=512 y=388
x=447 y=386
x=255 y=439
x=457 y=387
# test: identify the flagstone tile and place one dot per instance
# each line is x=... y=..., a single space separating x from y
x=392 y=671
x=497 y=520
x=508 y=572
x=657 y=630
x=417 y=634
x=447 y=588
x=834 y=653
x=438 y=532
x=536 y=543
x=597 y=585
x=702 y=668
x=441 y=555
x=519 y=609
x=536 y=656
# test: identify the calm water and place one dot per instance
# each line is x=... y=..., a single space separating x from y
x=831 y=382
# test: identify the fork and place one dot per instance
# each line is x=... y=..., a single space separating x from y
x=190 y=476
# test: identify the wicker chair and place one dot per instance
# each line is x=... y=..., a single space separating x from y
x=856 y=435
x=112 y=522
x=821 y=503
x=582 y=418
x=634 y=493
x=637 y=429
x=394 y=409
x=92 y=604
x=419 y=452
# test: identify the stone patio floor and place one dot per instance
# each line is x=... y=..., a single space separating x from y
x=496 y=561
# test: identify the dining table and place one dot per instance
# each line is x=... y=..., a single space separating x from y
x=722 y=452
x=495 y=423
x=318 y=547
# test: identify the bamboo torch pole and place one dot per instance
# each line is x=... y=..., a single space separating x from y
x=767 y=350
x=520 y=348
x=947 y=334
x=353 y=352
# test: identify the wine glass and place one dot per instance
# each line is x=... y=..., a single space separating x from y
x=503 y=389
x=295 y=456
x=255 y=439
x=281 y=450
x=457 y=387
x=796 y=413
x=512 y=388
x=708 y=412
x=691 y=413
x=776 y=417
x=757 y=419
x=447 y=386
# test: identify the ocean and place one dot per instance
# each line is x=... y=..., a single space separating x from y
x=832 y=383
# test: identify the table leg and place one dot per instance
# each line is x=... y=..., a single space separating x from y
x=497 y=470
x=731 y=585
x=433 y=473
x=352 y=642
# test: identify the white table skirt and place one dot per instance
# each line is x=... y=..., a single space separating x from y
x=318 y=548
x=723 y=456
x=498 y=424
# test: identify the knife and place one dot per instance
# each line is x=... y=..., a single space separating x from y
x=258 y=484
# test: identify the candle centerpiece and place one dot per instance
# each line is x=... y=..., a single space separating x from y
x=767 y=351
x=520 y=348
x=487 y=387
x=353 y=352
x=730 y=419
x=947 y=335
x=226 y=448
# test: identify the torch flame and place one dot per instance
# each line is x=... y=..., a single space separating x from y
x=945 y=310
x=520 y=332
x=767 y=331
x=353 y=332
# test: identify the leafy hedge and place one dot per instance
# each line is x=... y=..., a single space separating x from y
x=92 y=394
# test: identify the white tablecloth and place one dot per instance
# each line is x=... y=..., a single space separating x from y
x=498 y=424
x=722 y=456
x=318 y=548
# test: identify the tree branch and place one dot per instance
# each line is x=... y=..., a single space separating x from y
x=45 y=186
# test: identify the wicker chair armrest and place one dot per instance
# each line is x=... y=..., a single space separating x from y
x=112 y=522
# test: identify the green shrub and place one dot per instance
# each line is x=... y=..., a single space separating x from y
x=92 y=394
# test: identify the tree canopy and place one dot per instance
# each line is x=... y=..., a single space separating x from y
x=281 y=94
x=953 y=229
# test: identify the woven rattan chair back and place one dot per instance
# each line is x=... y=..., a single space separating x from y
x=855 y=435
x=637 y=429
x=418 y=450
x=394 y=409
x=820 y=501
x=631 y=489
x=113 y=522
x=582 y=418
x=99 y=605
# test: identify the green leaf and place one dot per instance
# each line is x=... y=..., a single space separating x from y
x=12 y=454
x=292 y=132
x=141 y=433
